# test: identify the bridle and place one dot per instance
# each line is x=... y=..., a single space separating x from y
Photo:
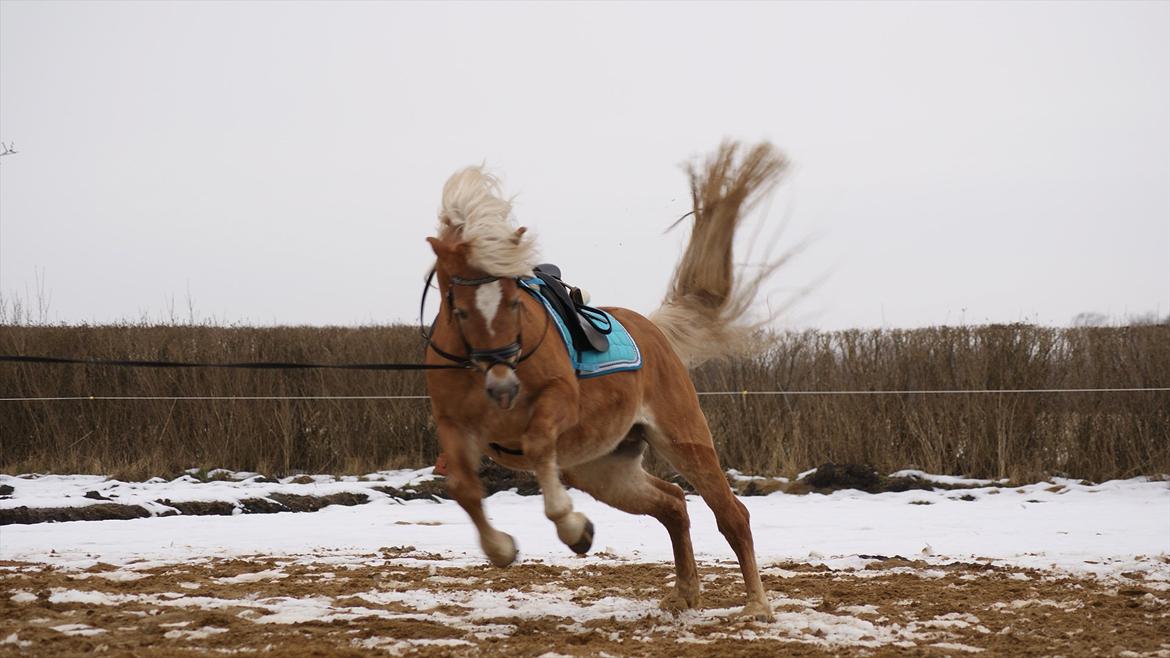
x=509 y=355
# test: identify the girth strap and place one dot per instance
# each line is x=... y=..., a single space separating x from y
x=507 y=451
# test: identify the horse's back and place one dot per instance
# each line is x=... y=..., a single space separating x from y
x=661 y=366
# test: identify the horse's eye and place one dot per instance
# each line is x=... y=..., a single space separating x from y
x=516 y=303
x=460 y=313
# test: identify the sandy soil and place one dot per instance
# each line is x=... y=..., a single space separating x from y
x=403 y=602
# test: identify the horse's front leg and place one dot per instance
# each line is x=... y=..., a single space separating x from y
x=553 y=415
x=464 y=486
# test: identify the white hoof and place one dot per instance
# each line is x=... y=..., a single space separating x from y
x=757 y=611
x=500 y=549
x=577 y=532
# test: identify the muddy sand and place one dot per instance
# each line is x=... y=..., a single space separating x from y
x=404 y=602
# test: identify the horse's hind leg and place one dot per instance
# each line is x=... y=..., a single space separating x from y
x=685 y=441
x=464 y=486
x=619 y=481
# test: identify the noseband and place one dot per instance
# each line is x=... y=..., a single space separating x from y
x=509 y=355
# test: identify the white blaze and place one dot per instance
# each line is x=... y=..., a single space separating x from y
x=487 y=300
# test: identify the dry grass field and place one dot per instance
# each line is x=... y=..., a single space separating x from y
x=1020 y=436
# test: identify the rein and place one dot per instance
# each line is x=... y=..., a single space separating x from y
x=510 y=355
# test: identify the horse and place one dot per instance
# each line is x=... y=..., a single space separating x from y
x=519 y=401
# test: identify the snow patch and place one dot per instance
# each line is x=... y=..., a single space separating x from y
x=195 y=634
x=956 y=646
x=268 y=574
x=1104 y=529
x=78 y=629
x=14 y=639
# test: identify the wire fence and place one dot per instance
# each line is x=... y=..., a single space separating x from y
x=985 y=391
x=997 y=401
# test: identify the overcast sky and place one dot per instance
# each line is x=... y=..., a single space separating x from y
x=282 y=163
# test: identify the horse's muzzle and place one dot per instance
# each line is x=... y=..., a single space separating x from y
x=504 y=388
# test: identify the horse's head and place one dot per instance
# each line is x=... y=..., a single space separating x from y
x=485 y=311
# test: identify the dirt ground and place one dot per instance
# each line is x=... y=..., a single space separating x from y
x=402 y=602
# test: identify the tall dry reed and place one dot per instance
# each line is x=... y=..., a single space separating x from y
x=1022 y=436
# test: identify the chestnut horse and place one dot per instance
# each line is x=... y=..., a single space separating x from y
x=538 y=416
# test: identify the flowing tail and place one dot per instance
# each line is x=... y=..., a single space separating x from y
x=704 y=312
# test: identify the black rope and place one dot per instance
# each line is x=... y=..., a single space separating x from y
x=460 y=363
x=247 y=365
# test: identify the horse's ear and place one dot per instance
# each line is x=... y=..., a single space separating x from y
x=449 y=252
x=519 y=234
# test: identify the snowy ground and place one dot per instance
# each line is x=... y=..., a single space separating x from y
x=1100 y=528
x=832 y=563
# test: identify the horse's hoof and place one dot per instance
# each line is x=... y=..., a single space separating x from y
x=586 y=541
x=502 y=551
x=676 y=601
x=756 y=611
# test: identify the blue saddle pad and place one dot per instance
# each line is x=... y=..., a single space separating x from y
x=622 y=355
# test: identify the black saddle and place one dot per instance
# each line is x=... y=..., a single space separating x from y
x=587 y=326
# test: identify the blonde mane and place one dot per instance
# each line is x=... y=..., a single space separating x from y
x=474 y=212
